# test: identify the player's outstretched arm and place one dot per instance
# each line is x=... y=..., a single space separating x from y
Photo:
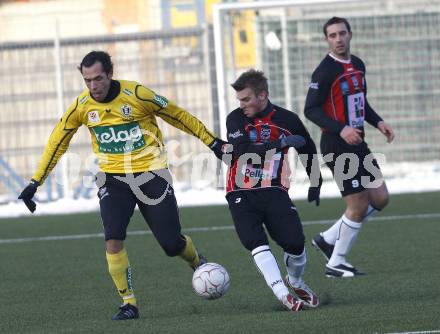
x=179 y=118
x=386 y=130
x=28 y=193
x=57 y=144
x=220 y=147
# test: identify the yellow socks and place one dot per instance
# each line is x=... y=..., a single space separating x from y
x=120 y=271
x=189 y=253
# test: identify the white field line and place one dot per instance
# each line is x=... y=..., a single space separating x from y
x=206 y=229
x=419 y=332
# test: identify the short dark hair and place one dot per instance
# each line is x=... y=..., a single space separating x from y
x=252 y=79
x=335 y=20
x=94 y=56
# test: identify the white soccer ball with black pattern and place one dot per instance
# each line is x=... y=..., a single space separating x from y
x=210 y=281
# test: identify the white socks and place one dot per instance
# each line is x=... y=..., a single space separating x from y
x=332 y=233
x=348 y=232
x=295 y=265
x=267 y=265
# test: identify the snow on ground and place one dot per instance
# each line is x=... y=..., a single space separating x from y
x=400 y=178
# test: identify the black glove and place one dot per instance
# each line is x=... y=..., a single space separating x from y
x=220 y=147
x=314 y=192
x=295 y=141
x=313 y=195
x=28 y=193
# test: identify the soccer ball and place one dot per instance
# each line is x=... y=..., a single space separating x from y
x=210 y=281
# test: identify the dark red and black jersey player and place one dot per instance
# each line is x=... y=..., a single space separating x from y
x=337 y=103
x=259 y=159
x=258 y=181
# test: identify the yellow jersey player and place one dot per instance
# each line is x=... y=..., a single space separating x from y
x=121 y=118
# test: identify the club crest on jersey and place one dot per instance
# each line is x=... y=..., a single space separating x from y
x=126 y=111
x=265 y=133
x=355 y=82
x=93 y=116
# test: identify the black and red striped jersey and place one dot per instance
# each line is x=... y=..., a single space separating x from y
x=337 y=97
x=258 y=160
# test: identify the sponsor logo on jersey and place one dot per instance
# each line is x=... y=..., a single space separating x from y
x=345 y=88
x=119 y=139
x=127 y=92
x=126 y=111
x=236 y=134
x=253 y=135
x=160 y=100
x=257 y=173
x=314 y=85
x=93 y=116
x=356 y=110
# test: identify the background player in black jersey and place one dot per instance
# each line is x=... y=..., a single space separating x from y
x=258 y=181
x=336 y=101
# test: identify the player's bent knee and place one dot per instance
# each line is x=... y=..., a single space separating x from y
x=114 y=246
x=173 y=248
x=172 y=251
x=252 y=244
x=357 y=212
x=380 y=200
x=294 y=246
x=295 y=249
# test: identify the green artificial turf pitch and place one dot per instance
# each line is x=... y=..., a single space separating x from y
x=60 y=284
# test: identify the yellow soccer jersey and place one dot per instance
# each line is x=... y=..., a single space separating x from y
x=124 y=132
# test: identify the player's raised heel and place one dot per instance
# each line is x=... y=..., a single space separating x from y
x=292 y=303
x=342 y=271
x=304 y=293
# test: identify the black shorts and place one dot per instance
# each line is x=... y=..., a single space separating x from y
x=155 y=198
x=353 y=171
x=250 y=209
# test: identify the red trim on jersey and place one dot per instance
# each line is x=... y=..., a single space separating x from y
x=266 y=131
